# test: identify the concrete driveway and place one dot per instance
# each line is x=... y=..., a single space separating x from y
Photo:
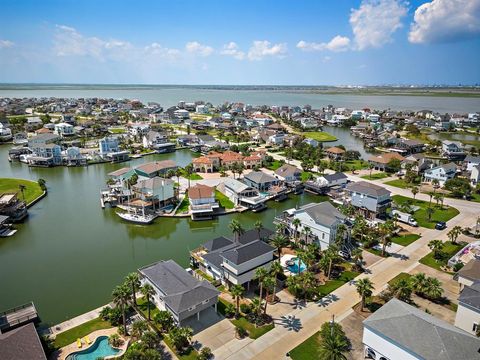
x=213 y=330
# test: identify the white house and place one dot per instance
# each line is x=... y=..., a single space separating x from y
x=441 y=173
x=452 y=148
x=337 y=119
x=276 y=139
x=373 y=118
x=337 y=179
x=475 y=175
x=202 y=201
x=242 y=194
x=181 y=114
x=108 y=145
x=64 y=129
x=470 y=162
x=5 y=133
x=201 y=109
x=398 y=331
x=139 y=129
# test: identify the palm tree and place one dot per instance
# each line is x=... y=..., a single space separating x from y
x=148 y=291
x=435 y=184
x=259 y=227
x=133 y=281
x=402 y=290
x=419 y=283
x=340 y=237
x=333 y=347
x=436 y=246
x=236 y=229
x=260 y=274
x=138 y=328
x=237 y=293
x=430 y=212
x=357 y=257
x=269 y=284
x=414 y=191
x=434 y=289
x=164 y=319
x=296 y=223
x=307 y=281
x=384 y=231
x=279 y=241
x=188 y=172
x=454 y=233
x=275 y=270
x=121 y=296
x=307 y=231
x=280 y=228
x=365 y=289
x=22 y=189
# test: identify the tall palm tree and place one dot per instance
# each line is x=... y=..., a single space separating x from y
x=22 y=188
x=384 y=231
x=402 y=290
x=236 y=229
x=340 y=236
x=280 y=228
x=430 y=212
x=436 y=246
x=364 y=289
x=121 y=296
x=333 y=347
x=414 y=191
x=454 y=233
x=307 y=231
x=434 y=289
x=279 y=241
x=237 y=293
x=259 y=227
x=419 y=283
x=188 y=172
x=357 y=257
x=260 y=274
x=275 y=270
x=308 y=282
x=148 y=291
x=296 y=223
x=133 y=281
x=269 y=284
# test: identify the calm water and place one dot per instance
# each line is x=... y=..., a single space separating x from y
x=69 y=254
x=170 y=95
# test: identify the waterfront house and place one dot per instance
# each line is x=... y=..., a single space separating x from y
x=381 y=162
x=155 y=168
x=178 y=292
x=21 y=343
x=121 y=174
x=335 y=153
x=288 y=173
x=202 y=201
x=468 y=312
x=260 y=180
x=229 y=158
x=157 y=141
x=5 y=133
x=64 y=129
x=13 y=207
x=138 y=129
x=241 y=194
x=475 y=175
x=44 y=154
x=108 y=145
x=251 y=161
x=235 y=261
x=73 y=157
x=452 y=149
x=442 y=173
x=153 y=192
x=400 y=331
x=369 y=199
x=322 y=219
x=331 y=180
x=407 y=146
x=470 y=162
x=418 y=161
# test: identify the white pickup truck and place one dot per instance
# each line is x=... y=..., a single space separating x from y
x=405 y=218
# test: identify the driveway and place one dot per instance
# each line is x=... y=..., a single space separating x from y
x=213 y=330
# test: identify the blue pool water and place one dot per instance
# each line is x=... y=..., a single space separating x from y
x=294 y=268
x=101 y=348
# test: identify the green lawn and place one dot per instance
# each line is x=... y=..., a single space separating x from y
x=117 y=131
x=400 y=183
x=307 y=350
x=401 y=276
x=441 y=214
x=332 y=285
x=449 y=249
x=253 y=332
x=183 y=208
x=319 y=136
x=306 y=175
x=377 y=176
x=193 y=176
x=355 y=165
x=274 y=165
x=70 y=336
x=143 y=306
x=32 y=189
x=224 y=201
x=191 y=355
x=406 y=239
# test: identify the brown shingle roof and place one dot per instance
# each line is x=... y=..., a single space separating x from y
x=154 y=166
x=335 y=150
x=200 y=191
x=386 y=158
x=22 y=343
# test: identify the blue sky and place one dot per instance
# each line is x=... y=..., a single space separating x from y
x=332 y=42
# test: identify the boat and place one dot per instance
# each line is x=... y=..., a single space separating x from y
x=135 y=218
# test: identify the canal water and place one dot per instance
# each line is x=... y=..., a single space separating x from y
x=69 y=254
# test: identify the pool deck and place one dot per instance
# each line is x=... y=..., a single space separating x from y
x=62 y=353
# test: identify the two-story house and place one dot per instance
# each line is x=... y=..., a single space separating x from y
x=369 y=199
x=470 y=162
x=442 y=173
x=288 y=173
x=241 y=194
x=153 y=193
x=155 y=168
x=178 y=292
x=64 y=129
x=157 y=141
x=260 y=180
x=452 y=149
x=203 y=203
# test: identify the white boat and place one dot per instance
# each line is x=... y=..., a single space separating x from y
x=139 y=219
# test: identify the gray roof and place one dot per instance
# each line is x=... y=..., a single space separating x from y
x=323 y=213
x=217 y=243
x=153 y=183
x=422 y=334
x=447 y=167
x=472 y=159
x=252 y=235
x=287 y=170
x=364 y=187
x=470 y=271
x=336 y=176
x=3 y=219
x=259 y=177
x=22 y=343
x=182 y=290
x=236 y=185
x=249 y=251
x=470 y=296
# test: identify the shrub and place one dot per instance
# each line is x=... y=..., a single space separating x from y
x=245 y=308
x=205 y=354
x=229 y=310
x=241 y=332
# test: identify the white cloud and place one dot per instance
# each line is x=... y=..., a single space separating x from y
x=5 y=44
x=232 y=49
x=158 y=50
x=326 y=59
x=195 y=47
x=445 y=20
x=260 y=49
x=374 y=22
x=338 y=43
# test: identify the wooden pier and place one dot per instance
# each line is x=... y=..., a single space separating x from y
x=18 y=316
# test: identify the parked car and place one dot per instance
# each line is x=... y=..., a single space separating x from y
x=440 y=225
x=344 y=254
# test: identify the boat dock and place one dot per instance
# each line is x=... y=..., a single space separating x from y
x=18 y=316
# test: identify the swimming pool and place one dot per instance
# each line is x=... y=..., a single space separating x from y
x=100 y=349
x=293 y=268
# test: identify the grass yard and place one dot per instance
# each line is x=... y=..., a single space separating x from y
x=377 y=176
x=253 y=332
x=440 y=214
x=401 y=276
x=70 y=336
x=143 y=306
x=400 y=183
x=332 y=285
x=193 y=176
x=274 y=165
x=355 y=165
x=449 y=249
x=32 y=189
x=306 y=175
x=319 y=136
x=307 y=350
x=183 y=208
x=224 y=201
x=405 y=239
x=192 y=354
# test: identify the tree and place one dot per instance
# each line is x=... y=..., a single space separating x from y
x=22 y=189
x=430 y=212
x=205 y=354
x=357 y=257
x=188 y=172
x=333 y=342
x=340 y=236
x=164 y=319
x=296 y=222
x=260 y=274
x=138 y=328
x=459 y=187
x=237 y=293
x=133 y=281
x=115 y=341
x=434 y=289
x=419 y=283
x=415 y=191
x=121 y=296
x=279 y=241
x=180 y=337
x=307 y=231
x=394 y=165
x=236 y=229
x=384 y=231
x=269 y=284
x=43 y=184
x=454 y=233
x=436 y=246
x=364 y=289
x=148 y=291
x=275 y=270
x=401 y=289
x=259 y=227
x=330 y=258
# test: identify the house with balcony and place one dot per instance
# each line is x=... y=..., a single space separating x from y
x=202 y=201
x=400 y=331
x=407 y=146
x=109 y=149
x=155 y=168
x=381 y=162
x=158 y=142
x=153 y=193
x=369 y=199
x=5 y=133
x=45 y=155
x=452 y=149
x=261 y=181
x=64 y=129
x=470 y=162
x=335 y=153
x=288 y=173
x=242 y=194
x=418 y=162
x=177 y=291
x=13 y=207
x=322 y=220
x=442 y=173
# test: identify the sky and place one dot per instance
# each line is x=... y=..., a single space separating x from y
x=248 y=42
